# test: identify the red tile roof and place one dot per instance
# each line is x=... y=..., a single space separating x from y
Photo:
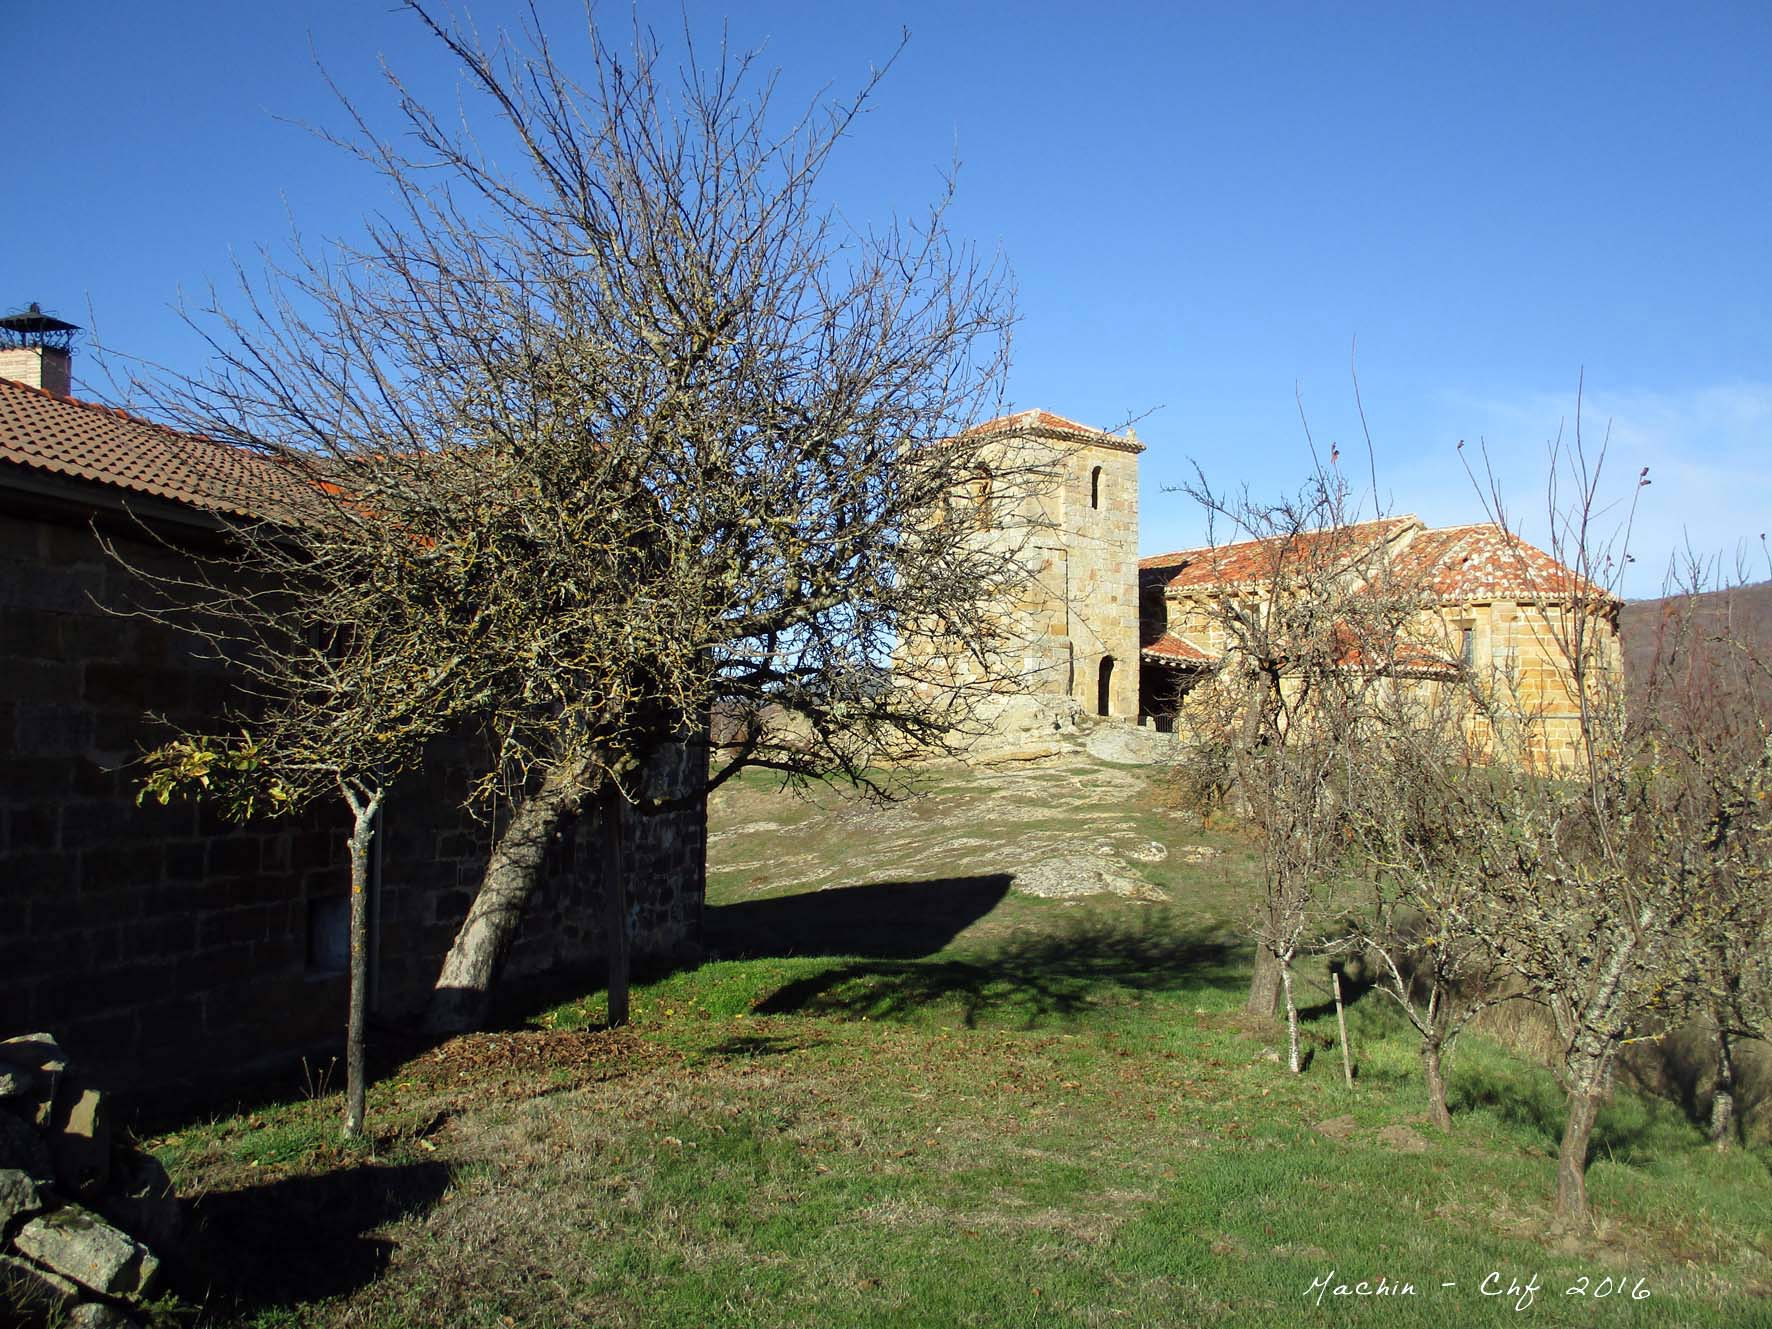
x=1257 y=561
x=1035 y=419
x=64 y=436
x=1457 y=564
x=1483 y=562
x=1047 y=422
x=1171 y=649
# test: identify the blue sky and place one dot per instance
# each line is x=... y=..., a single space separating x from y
x=1204 y=207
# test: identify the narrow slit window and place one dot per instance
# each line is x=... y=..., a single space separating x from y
x=329 y=935
x=1095 y=488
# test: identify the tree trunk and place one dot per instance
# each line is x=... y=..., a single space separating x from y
x=462 y=998
x=1722 y=1102
x=1584 y=1107
x=1264 y=986
x=615 y=903
x=1291 y=1018
x=1436 y=1085
x=356 y=1021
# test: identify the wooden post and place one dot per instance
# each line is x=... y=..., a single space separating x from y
x=615 y=900
x=1347 y=1065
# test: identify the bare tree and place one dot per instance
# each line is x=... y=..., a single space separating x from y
x=316 y=713
x=623 y=426
x=1421 y=800
x=1607 y=855
x=1702 y=697
x=1312 y=629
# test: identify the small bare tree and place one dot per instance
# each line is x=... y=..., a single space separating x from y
x=1702 y=700
x=1422 y=799
x=317 y=713
x=626 y=429
x=1607 y=856
x=1312 y=627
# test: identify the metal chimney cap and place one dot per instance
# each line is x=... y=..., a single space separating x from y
x=35 y=328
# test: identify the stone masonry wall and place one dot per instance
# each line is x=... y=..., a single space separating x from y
x=1100 y=525
x=1081 y=606
x=137 y=934
x=1516 y=654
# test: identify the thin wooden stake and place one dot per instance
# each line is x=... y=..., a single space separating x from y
x=1347 y=1066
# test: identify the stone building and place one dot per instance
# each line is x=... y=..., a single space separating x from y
x=1492 y=609
x=159 y=943
x=1066 y=497
x=1128 y=638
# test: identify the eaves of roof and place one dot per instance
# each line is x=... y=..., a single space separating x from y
x=1178 y=652
x=51 y=435
x=1044 y=424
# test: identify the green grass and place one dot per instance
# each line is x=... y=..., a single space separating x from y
x=993 y=1111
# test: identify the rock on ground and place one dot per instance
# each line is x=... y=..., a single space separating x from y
x=80 y=1138
x=19 y=1198
x=80 y=1245
x=1130 y=745
x=1074 y=876
x=97 y=1315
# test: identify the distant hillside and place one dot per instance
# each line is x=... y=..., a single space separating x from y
x=1746 y=612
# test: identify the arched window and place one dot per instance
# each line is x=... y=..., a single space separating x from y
x=1104 y=685
x=1095 y=488
x=981 y=488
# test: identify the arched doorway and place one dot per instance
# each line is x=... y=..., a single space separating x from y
x=1104 y=685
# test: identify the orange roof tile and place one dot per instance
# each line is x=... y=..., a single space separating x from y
x=1046 y=421
x=65 y=436
x=1254 y=561
x=1171 y=649
x=1456 y=564
x=1483 y=562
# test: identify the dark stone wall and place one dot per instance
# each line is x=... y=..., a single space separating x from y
x=163 y=945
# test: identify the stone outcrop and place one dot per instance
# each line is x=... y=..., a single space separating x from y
x=1075 y=876
x=80 y=1245
x=78 y=1207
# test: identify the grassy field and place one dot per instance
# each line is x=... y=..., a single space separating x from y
x=904 y=1093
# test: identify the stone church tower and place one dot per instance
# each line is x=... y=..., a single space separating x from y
x=1082 y=611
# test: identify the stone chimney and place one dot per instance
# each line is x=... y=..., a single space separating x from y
x=38 y=350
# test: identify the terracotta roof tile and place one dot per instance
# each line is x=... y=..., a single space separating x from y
x=1255 y=561
x=1047 y=421
x=1483 y=562
x=1456 y=564
x=1172 y=649
x=65 y=436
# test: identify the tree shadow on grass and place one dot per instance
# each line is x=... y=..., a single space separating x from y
x=900 y=919
x=298 y=1239
x=1027 y=980
x=1631 y=1128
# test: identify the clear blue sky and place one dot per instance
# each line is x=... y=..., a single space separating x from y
x=1204 y=206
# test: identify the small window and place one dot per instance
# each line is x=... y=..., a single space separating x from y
x=1095 y=488
x=1467 y=648
x=329 y=935
x=981 y=488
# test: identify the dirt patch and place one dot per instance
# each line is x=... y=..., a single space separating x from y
x=1339 y=1129
x=1402 y=1140
x=523 y=1063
